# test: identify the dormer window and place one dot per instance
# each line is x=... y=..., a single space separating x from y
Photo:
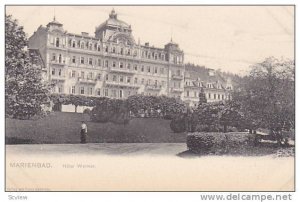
x=73 y=44
x=82 y=45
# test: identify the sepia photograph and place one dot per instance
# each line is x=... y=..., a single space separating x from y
x=149 y=98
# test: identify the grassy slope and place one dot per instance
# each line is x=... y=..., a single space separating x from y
x=65 y=128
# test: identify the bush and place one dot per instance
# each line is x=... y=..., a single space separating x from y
x=218 y=143
x=87 y=111
x=177 y=124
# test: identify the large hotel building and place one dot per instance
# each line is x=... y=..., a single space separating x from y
x=113 y=64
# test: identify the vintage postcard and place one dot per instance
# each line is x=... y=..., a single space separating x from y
x=149 y=98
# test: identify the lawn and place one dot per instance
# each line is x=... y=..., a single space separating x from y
x=63 y=127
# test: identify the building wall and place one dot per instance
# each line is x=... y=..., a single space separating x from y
x=116 y=68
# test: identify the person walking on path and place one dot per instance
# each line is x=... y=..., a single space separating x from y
x=83 y=133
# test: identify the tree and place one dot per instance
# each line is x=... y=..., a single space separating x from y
x=25 y=91
x=230 y=114
x=202 y=97
x=267 y=96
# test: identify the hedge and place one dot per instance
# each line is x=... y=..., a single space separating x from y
x=218 y=143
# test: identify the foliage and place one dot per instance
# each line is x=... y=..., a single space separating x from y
x=157 y=106
x=218 y=143
x=177 y=124
x=111 y=110
x=25 y=91
x=267 y=96
x=87 y=111
x=202 y=97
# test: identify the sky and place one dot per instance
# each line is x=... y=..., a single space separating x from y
x=230 y=38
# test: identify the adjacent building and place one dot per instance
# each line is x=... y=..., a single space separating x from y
x=113 y=64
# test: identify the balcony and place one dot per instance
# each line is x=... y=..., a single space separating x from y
x=58 y=78
x=192 y=87
x=54 y=62
x=177 y=77
x=122 y=70
x=120 y=84
x=176 y=90
x=153 y=87
x=87 y=81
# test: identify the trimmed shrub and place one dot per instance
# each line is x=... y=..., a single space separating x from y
x=218 y=143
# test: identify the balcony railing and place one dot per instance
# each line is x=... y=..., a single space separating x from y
x=58 y=78
x=177 y=90
x=153 y=87
x=87 y=80
x=122 y=70
x=177 y=77
x=120 y=84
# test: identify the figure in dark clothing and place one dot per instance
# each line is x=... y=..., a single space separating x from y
x=83 y=132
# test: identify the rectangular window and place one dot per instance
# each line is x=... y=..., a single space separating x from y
x=114 y=78
x=114 y=64
x=149 y=69
x=142 y=69
x=113 y=93
x=74 y=59
x=73 y=90
x=143 y=80
x=222 y=97
x=121 y=94
x=128 y=66
x=128 y=79
x=106 y=77
x=81 y=60
x=121 y=79
x=82 y=75
x=121 y=64
x=99 y=62
x=90 y=75
x=215 y=97
x=59 y=72
x=135 y=67
x=106 y=92
x=218 y=96
x=135 y=80
x=106 y=63
x=188 y=93
x=82 y=90
x=90 y=61
x=155 y=70
x=53 y=71
x=99 y=76
x=98 y=91
x=53 y=57
x=90 y=91
x=73 y=74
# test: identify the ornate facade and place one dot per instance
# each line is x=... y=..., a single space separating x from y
x=111 y=63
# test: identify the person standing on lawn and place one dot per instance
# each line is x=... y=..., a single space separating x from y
x=83 y=133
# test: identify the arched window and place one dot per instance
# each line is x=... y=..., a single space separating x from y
x=57 y=42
